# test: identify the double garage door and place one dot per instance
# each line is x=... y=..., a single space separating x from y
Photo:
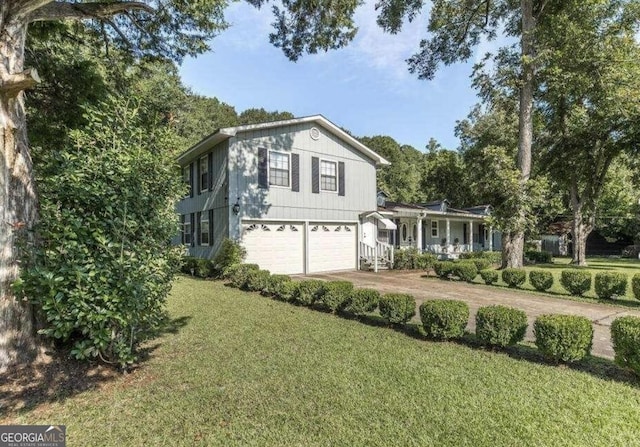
x=289 y=247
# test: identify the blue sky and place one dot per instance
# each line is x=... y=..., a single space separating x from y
x=365 y=88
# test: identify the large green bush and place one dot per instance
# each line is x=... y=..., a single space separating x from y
x=444 y=319
x=279 y=287
x=204 y=268
x=566 y=338
x=188 y=265
x=103 y=265
x=257 y=280
x=489 y=276
x=576 y=282
x=514 y=277
x=411 y=258
x=500 y=325
x=308 y=291
x=363 y=301
x=334 y=295
x=635 y=285
x=239 y=273
x=481 y=263
x=610 y=284
x=494 y=257
x=625 y=335
x=541 y=280
x=397 y=308
x=231 y=253
x=465 y=270
x=539 y=257
x=444 y=269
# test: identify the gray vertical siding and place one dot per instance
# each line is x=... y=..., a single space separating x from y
x=283 y=203
x=215 y=199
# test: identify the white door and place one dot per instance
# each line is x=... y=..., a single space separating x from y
x=332 y=247
x=277 y=247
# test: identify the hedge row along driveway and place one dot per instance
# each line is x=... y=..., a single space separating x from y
x=475 y=295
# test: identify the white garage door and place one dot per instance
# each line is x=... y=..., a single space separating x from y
x=332 y=247
x=277 y=247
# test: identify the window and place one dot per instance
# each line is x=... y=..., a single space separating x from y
x=279 y=169
x=404 y=232
x=204 y=173
x=328 y=175
x=434 y=228
x=204 y=228
x=186 y=230
x=186 y=178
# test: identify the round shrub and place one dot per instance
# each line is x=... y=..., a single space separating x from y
x=238 y=274
x=541 y=280
x=489 y=276
x=363 y=301
x=397 y=308
x=625 y=334
x=443 y=269
x=576 y=282
x=514 y=277
x=277 y=286
x=566 y=338
x=635 y=285
x=610 y=284
x=444 y=319
x=204 y=268
x=500 y=325
x=481 y=264
x=257 y=280
x=466 y=271
x=334 y=295
x=230 y=253
x=308 y=291
x=188 y=265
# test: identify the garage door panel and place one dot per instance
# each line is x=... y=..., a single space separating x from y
x=277 y=247
x=332 y=247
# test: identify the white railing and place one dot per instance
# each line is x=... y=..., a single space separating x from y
x=379 y=252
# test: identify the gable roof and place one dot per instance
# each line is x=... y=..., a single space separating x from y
x=223 y=134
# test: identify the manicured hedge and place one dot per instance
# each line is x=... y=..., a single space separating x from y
x=566 y=338
x=334 y=295
x=481 y=263
x=625 y=334
x=444 y=269
x=489 y=276
x=397 y=308
x=494 y=257
x=257 y=280
x=237 y=274
x=444 y=319
x=500 y=325
x=610 y=284
x=541 y=280
x=280 y=287
x=308 y=291
x=576 y=282
x=411 y=258
x=465 y=270
x=363 y=301
x=539 y=257
x=635 y=285
x=514 y=277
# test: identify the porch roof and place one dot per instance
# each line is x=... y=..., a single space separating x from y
x=387 y=224
x=412 y=210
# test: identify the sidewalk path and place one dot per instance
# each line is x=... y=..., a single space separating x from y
x=476 y=295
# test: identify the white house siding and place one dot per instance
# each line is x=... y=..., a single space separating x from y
x=278 y=203
x=215 y=199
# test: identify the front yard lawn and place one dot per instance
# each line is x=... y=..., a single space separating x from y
x=247 y=370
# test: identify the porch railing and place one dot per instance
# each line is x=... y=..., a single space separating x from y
x=379 y=253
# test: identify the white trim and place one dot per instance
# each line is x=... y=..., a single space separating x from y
x=333 y=191
x=260 y=219
x=288 y=154
x=200 y=172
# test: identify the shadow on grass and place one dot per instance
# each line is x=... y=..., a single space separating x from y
x=57 y=377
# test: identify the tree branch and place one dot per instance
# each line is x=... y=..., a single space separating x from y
x=472 y=16
x=12 y=85
x=80 y=11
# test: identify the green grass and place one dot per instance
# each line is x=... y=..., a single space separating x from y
x=594 y=265
x=247 y=370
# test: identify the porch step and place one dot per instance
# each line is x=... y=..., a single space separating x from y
x=368 y=264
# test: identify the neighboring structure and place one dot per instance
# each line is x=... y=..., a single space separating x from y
x=438 y=228
x=291 y=191
x=558 y=241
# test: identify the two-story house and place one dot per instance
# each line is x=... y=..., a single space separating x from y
x=299 y=194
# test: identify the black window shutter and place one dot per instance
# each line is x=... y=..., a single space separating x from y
x=191 y=177
x=182 y=228
x=211 y=227
x=315 y=175
x=199 y=230
x=198 y=176
x=295 y=172
x=193 y=227
x=263 y=165
x=210 y=174
x=341 y=178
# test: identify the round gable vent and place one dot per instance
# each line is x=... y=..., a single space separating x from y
x=315 y=133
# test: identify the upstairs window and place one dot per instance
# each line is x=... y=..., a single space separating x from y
x=204 y=173
x=279 y=169
x=328 y=175
x=186 y=178
x=186 y=230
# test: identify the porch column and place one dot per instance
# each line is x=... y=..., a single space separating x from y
x=470 y=235
x=490 y=238
x=448 y=233
x=419 y=235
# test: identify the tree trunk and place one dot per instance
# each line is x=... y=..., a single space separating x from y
x=513 y=244
x=581 y=227
x=18 y=198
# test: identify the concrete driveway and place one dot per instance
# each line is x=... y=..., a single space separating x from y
x=475 y=295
